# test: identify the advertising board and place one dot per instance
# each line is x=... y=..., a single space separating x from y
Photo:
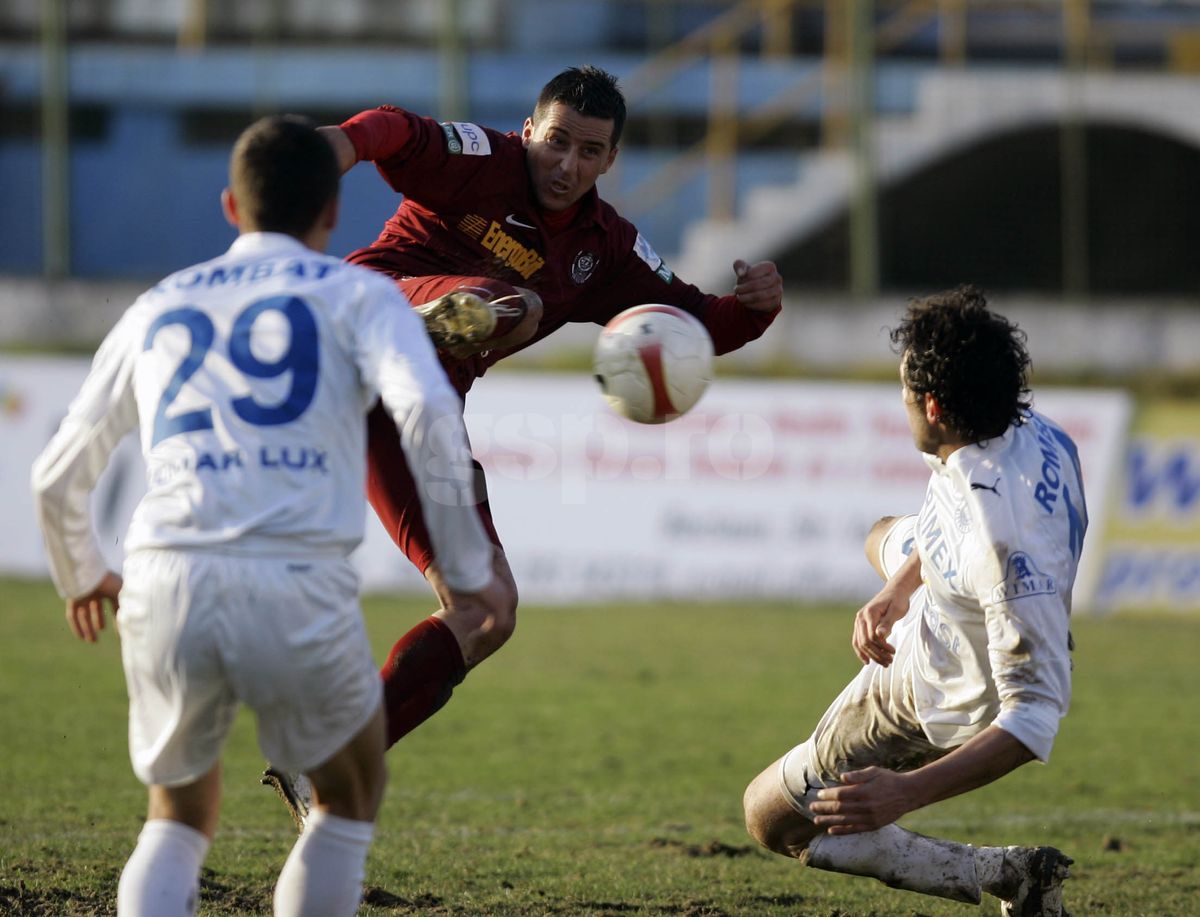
x=765 y=490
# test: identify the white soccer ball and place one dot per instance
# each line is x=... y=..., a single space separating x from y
x=653 y=362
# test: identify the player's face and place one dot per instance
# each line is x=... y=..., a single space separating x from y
x=924 y=434
x=566 y=153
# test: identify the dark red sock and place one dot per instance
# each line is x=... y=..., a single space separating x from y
x=419 y=676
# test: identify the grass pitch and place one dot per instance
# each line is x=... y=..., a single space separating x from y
x=595 y=766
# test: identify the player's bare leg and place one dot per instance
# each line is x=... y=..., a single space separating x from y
x=1028 y=880
x=350 y=784
x=347 y=778
x=772 y=820
x=324 y=872
x=478 y=630
x=432 y=659
x=162 y=875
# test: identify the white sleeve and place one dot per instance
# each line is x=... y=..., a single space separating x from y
x=65 y=473
x=396 y=357
x=1031 y=667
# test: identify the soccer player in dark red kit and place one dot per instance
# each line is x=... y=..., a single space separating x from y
x=502 y=239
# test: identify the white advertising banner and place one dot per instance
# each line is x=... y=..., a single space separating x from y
x=765 y=490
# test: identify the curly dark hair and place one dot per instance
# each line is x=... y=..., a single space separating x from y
x=590 y=91
x=973 y=361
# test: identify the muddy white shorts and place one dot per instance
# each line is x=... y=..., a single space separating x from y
x=203 y=632
x=874 y=720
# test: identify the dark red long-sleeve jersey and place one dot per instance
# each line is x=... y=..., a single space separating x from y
x=469 y=209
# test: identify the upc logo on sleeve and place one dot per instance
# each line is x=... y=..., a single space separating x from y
x=466 y=139
x=646 y=252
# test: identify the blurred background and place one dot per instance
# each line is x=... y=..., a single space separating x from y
x=1046 y=151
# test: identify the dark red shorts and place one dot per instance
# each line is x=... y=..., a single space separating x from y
x=390 y=486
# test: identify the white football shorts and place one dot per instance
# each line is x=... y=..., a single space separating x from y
x=202 y=632
x=874 y=720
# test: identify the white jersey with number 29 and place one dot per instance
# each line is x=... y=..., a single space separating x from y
x=249 y=377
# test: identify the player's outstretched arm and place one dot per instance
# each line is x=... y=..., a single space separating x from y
x=874 y=621
x=874 y=797
x=759 y=286
x=85 y=614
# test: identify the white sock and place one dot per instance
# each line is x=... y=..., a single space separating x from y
x=901 y=859
x=161 y=878
x=993 y=877
x=323 y=875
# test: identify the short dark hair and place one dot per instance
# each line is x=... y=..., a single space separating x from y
x=970 y=359
x=590 y=91
x=282 y=174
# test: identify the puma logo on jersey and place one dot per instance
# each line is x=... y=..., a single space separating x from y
x=994 y=488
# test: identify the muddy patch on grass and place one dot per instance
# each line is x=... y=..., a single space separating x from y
x=216 y=897
x=711 y=849
x=220 y=897
x=381 y=897
x=52 y=902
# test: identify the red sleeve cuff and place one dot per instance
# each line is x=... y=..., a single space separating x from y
x=731 y=324
x=378 y=134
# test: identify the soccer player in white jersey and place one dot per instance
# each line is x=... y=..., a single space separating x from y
x=249 y=377
x=966 y=649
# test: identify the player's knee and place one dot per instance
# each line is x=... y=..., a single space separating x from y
x=761 y=823
x=772 y=821
x=757 y=812
x=875 y=539
x=507 y=617
x=875 y=535
x=503 y=629
x=504 y=623
x=755 y=825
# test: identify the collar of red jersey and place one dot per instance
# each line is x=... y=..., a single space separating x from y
x=589 y=210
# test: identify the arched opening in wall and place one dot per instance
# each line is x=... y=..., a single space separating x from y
x=992 y=214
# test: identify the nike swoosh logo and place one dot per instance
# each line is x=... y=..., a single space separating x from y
x=512 y=220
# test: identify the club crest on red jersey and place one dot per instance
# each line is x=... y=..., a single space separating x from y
x=582 y=266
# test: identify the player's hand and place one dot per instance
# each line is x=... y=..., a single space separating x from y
x=85 y=615
x=873 y=625
x=343 y=147
x=868 y=800
x=759 y=286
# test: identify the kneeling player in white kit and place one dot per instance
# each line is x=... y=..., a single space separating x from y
x=966 y=649
x=249 y=377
